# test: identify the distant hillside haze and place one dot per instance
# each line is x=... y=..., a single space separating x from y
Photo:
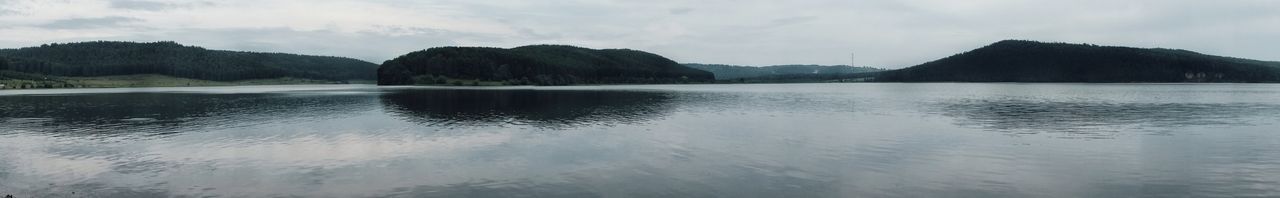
x=733 y=72
x=534 y=65
x=1031 y=61
x=107 y=58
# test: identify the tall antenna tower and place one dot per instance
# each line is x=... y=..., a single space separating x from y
x=853 y=59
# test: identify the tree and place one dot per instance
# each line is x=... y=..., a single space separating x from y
x=103 y=58
x=538 y=65
x=733 y=72
x=1030 y=61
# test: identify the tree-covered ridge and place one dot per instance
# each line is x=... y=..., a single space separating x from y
x=1031 y=61
x=108 y=58
x=734 y=72
x=534 y=65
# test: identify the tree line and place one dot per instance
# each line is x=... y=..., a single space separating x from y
x=1030 y=61
x=535 y=65
x=107 y=58
x=796 y=72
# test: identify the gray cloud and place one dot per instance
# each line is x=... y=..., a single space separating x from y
x=679 y=11
x=88 y=23
x=372 y=46
x=154 y=5
x=7 y=7
x=883 y=33
x=790 y=21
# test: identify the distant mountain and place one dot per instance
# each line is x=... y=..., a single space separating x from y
x=733 y=72
x=534 y=65
x=107 y=58
x=1031 y=61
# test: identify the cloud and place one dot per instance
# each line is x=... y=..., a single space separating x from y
x=88 y=23
x=789 y=21
x=155 y=5
x=140 y=5
x=679 y=11
x=883 y=33
x=7 y=7
x=373 y=46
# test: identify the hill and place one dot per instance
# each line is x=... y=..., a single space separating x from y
x=1031 y=61
x=734 y=72
x=107 y=58
x=808 y=78
x=534 y=65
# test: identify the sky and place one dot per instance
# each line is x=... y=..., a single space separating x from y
x=877 y=33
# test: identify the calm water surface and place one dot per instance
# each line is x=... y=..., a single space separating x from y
x=795 y=140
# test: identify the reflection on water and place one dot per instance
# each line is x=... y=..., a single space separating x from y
x=795 y=140
x=547 y=108
x=163 y=113
x=1083 y=119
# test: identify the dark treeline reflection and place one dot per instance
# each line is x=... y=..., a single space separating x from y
x=119 y=113
x=1098 y=119
x=541 y=108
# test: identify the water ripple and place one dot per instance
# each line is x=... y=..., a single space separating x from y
x=1099 y=119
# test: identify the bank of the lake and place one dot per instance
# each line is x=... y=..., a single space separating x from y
x=103 y=64
x=34 y=81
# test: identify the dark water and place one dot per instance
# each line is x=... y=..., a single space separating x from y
x=798 y=140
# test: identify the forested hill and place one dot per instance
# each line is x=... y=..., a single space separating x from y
x=732 y=72
x=106 y=58
x=1030 y=61
x=534 y=65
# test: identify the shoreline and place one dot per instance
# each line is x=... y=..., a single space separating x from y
x=113 y=84
x=147 y=81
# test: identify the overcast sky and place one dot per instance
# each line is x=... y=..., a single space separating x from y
x=882 y=33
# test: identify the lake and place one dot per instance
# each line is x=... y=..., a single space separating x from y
x=785 y=140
